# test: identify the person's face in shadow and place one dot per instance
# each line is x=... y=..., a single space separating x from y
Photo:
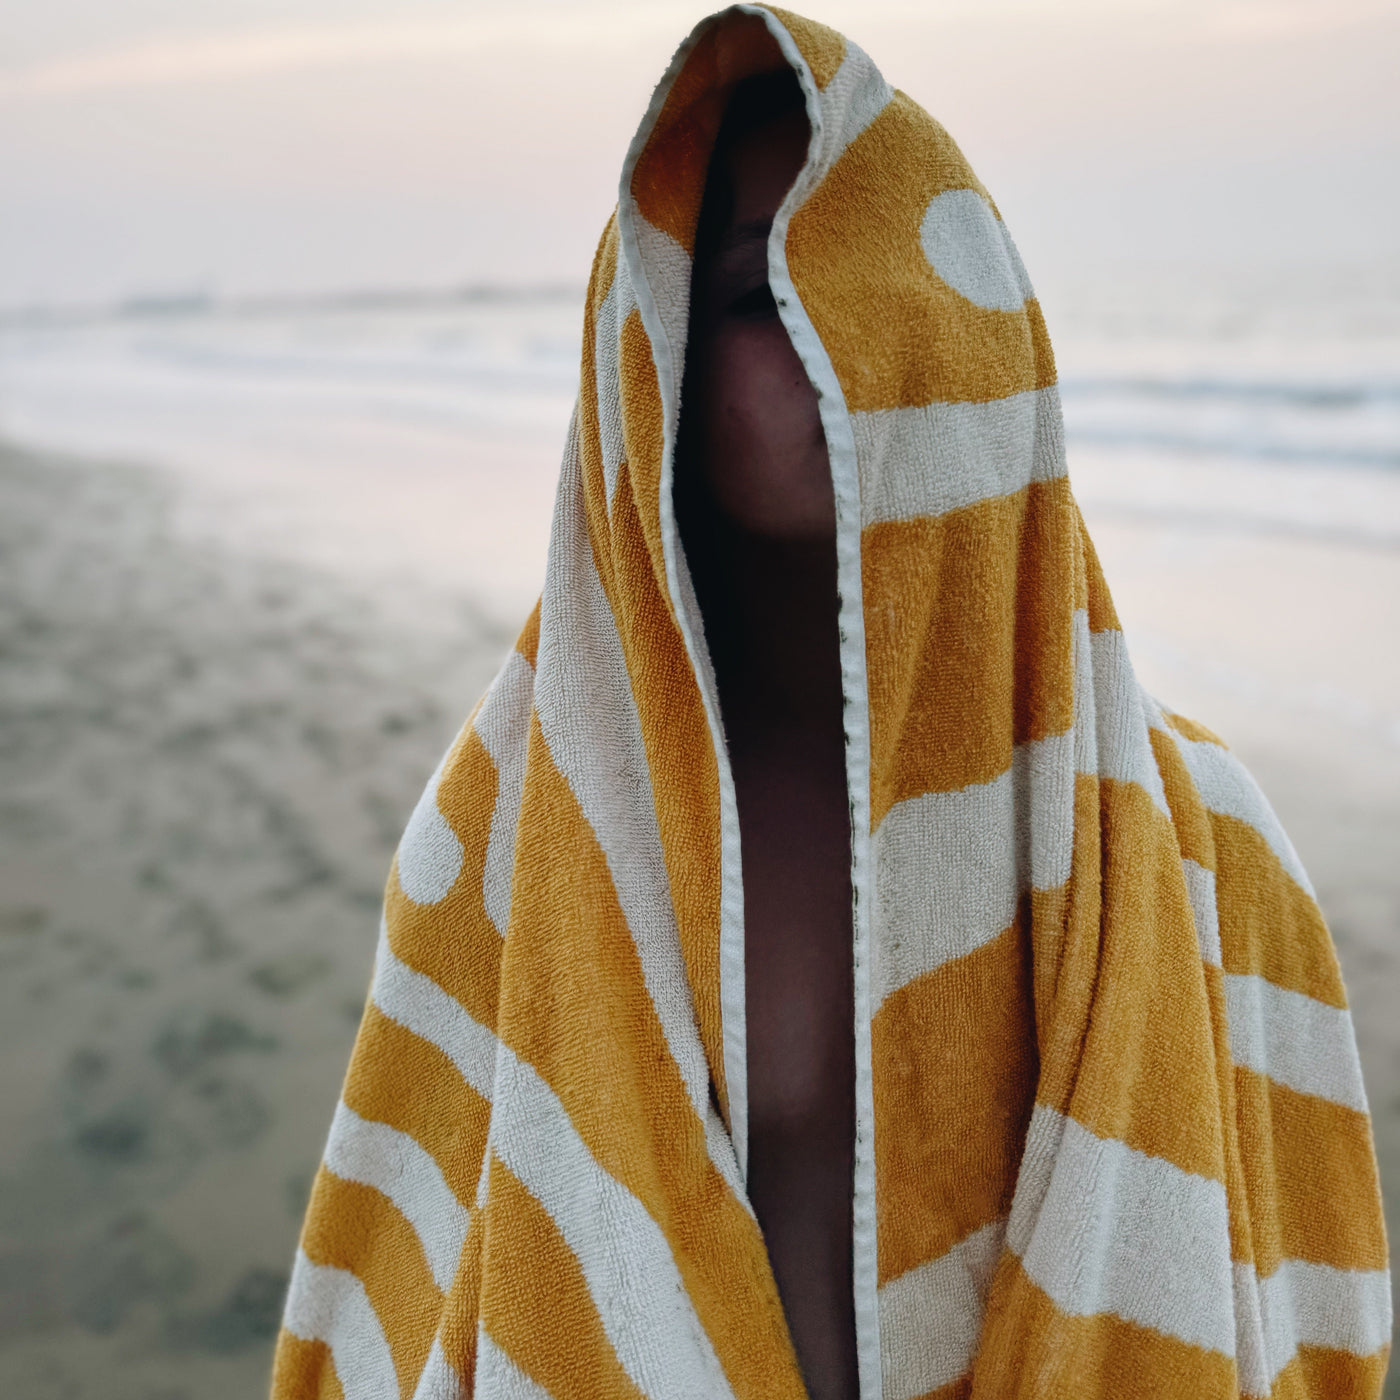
x=752 y=418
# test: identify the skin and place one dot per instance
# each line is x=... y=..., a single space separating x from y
x=757 y=516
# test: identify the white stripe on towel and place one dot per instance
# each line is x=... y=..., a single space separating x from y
x=951 y=866
x=498 y=1377
x=392 y=1162
x=416 y=1002
x=331 y=1306
x=1295 y=1039
x=1227 y=788
x=1104 y=1228
x=931 y=1316
x=1305 y=1304
x=626 y=1259
x=964 y=453
x=439 y=1379
x=429 y=858
x=583 y=697
x=504 y=727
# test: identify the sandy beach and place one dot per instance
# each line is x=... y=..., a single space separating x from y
x=206 y=761
x=242 y=618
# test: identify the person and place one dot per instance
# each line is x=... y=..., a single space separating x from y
x=757 y=518
x=818 y=968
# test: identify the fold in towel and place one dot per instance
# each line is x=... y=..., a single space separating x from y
x=1111 y=1137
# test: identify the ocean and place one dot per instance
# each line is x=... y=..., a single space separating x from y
x=422 y=433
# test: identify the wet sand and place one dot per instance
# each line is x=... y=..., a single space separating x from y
x=206 y=756
x=205 y=764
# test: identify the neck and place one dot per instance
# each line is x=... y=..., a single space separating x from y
x=770 y=610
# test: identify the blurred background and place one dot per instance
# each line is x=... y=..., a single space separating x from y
x=290 y=299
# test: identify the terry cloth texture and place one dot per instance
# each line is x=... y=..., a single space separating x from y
x=1111 y=1134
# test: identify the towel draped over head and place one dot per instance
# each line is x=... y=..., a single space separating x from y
x=1111 y=1137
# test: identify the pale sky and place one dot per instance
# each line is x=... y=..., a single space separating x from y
x=245 y=146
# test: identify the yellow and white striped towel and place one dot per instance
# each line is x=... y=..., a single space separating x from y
x=1111 y=1136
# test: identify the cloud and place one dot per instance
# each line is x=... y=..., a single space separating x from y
x=1262 y=20
x=587 y=24
x=192 y=60
x=602 y=25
